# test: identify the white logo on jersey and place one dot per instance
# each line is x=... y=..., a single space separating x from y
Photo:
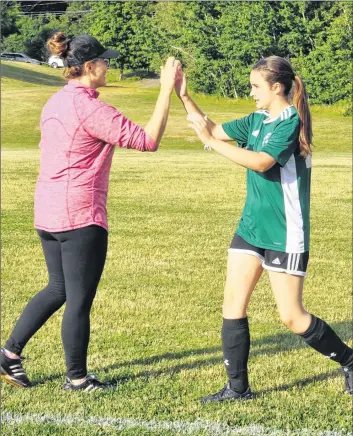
x=266 y=139
x=255 y=132
x=226 y=362
x=276 y=261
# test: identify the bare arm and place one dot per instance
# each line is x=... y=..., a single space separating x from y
x=157 y=123
x=191 y=107
x=256 y=161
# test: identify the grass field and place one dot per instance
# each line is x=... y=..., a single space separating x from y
x=157 y=315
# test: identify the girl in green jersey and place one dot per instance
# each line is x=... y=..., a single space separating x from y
x=275 y=145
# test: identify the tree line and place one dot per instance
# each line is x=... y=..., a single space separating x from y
x=217 y=42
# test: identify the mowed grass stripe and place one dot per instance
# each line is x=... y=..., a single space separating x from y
x=157 y=315
x=157 y=427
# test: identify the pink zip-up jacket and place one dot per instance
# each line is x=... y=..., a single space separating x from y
x=78 y=138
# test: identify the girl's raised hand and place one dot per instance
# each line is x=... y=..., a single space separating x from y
x=180 y=84
x=201 y=126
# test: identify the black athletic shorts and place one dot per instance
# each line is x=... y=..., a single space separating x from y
x=290 y=263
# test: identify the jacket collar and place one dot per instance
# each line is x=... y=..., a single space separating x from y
x=75 y=86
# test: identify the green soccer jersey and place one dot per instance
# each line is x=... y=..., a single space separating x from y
x=277 y=206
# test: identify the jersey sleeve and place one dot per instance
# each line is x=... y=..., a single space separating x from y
x=111 y=126
x=239 y=129
x=283 y=141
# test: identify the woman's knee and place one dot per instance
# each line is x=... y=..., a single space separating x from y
x=56 y=283
x=54 y=291
x=80 y=301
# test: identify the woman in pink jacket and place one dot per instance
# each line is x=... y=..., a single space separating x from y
x=78 y=137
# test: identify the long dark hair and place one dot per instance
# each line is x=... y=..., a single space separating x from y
x=275 y=69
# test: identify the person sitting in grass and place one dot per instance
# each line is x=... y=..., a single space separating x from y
x=79 y=134
x=275 y=145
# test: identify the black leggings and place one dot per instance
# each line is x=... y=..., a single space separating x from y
x=75 y=261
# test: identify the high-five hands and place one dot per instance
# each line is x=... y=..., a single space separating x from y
x=180 y=85
x=169 y=73
x=197 y=121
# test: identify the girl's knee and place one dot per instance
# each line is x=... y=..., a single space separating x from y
x=295 y=322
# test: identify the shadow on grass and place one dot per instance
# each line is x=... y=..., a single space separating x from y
x=300 y=383
x=24 y=75
x=268 y=346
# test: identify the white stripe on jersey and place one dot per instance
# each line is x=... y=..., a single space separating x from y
x=294 y=217
x=285 y=114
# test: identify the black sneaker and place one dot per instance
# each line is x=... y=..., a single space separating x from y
x=90 y=384
x=348 y=382
x=12 y=371
x=227 y=394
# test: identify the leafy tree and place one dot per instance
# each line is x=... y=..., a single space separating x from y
x=124 y=26
x=218 y=42
x=327 y=70
x=9 y=11
x=188 y=30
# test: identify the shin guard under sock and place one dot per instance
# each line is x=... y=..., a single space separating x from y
x=236 y=345
x=323 y=339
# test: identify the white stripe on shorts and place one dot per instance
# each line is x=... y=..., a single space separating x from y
x=297 y=262
x=252 y=253
x=288 y=271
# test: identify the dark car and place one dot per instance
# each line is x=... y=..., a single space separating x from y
x=18 y=57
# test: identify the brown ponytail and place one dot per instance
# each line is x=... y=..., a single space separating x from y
x=276 y=69
x=58 y=45
x=300 y=101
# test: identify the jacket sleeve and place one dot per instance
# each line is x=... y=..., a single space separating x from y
x=111 y=126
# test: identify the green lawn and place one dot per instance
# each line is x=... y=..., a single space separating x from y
x=157 y=315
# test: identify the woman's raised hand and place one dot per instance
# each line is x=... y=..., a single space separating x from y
x=169 y=74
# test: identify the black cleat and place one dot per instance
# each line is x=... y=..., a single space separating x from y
x=90 y=384
x=348 y=382
x=12 y=371
x=226 y=394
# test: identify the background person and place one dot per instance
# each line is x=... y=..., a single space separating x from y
x=78 y=137
x=275 y=145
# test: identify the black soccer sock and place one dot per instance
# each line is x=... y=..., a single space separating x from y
x=323 y=339
x=236 y=345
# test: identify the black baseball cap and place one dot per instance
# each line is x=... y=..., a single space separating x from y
x=84 y=48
